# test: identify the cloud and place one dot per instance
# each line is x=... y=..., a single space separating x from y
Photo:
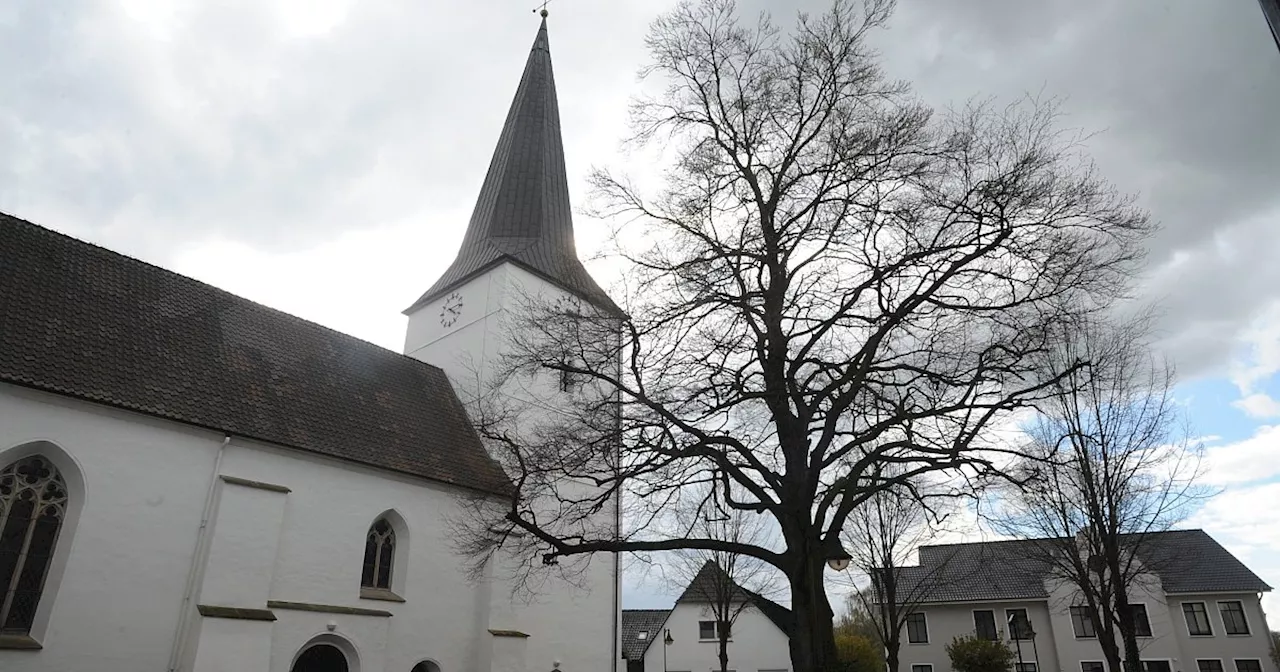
x=1242 y=519
x=1258 y=405
x=1252 y=460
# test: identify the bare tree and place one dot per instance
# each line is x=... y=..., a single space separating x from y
x=833 y=279
x=1110 y=464
x=882 y=535
x=725 y=584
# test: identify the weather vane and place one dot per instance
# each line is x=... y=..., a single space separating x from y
x=543 y=9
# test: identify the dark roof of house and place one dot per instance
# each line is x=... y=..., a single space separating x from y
x=711 y=582
x=85 y=322
x=1187 y=561
x=522 y=214
x=636 y=621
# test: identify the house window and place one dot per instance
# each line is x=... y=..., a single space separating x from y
x=642 y=635
x=1092 y=666
x=921 y=668
x=1248 y=665
x=1141 y=624
x=1082 y=623
x=984 y=624
x=1156 y=666
x=379 y=551
x=569 y=381
x=1197 y=618
x=1019 y=623
x=1233 y=617
x=1024 y=667
x=707 y=631
x=1212 y=665
x=917 y=628
x=33 y=503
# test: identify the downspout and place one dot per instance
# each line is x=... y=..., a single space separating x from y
x=617 y=522
x=180 y=636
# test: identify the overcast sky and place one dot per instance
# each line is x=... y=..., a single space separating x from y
x=322 y=156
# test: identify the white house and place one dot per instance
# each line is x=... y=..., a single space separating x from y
x=1198 y=609
x=192 y=481
x=684 y=639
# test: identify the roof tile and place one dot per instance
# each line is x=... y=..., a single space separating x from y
x=80 y=320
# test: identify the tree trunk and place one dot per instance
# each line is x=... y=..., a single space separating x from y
x=1110 y=651
x=891 y=654
x=723 y=635
x=1132 y=656
x=813 y=644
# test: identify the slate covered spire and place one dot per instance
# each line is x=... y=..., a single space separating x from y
x=523 y=213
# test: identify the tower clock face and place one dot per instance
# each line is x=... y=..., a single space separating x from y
x=451 y=310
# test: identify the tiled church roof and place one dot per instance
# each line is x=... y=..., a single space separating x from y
x=82 y=321
x=523 y=213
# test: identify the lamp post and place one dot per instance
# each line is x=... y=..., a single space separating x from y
x=1035 y=650
x=1013 y=634
x=666 y=641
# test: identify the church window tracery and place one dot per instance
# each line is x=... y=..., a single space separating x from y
x=33 y=504
x=379 y=552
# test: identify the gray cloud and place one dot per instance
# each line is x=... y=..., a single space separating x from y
x=217 y=119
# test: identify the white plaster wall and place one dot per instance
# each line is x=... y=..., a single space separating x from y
x=326 y=516
x=463 y=348
x=1060 y=649
x=232 y=646
x=1220 y=645
x=1161 y=645
x=244 y=536
x=946 y=622
x=117 y=604
x=574 y=624
x=756 y=643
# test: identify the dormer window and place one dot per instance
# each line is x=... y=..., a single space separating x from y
x=642 y=635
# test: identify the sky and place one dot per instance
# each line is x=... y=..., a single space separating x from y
x=322 y=157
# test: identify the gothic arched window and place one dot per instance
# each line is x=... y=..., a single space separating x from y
x=379 y=550
x=33 y=503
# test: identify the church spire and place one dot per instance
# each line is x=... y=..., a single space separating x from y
x=523 y=214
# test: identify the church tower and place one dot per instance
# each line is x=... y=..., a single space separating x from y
x=520 y=237
x=520 y=243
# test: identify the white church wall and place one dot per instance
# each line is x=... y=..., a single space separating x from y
x=117 y=604
x=462 y=347
x=244 y=537
x=327 y=515
x=227 y=645
x=573 y=624
x=116 y=607
x=755 y=643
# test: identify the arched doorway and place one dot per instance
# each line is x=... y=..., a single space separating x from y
x=321 y=658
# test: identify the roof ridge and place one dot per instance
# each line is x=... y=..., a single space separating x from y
x=186 y=278
x=1034 y=539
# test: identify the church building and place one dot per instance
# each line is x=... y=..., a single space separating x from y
x=192 y=481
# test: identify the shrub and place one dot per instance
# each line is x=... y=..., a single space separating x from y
x=856 y=653
x=970 y=654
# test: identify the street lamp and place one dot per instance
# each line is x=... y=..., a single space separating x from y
x=837 y=558
x=666 y=641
